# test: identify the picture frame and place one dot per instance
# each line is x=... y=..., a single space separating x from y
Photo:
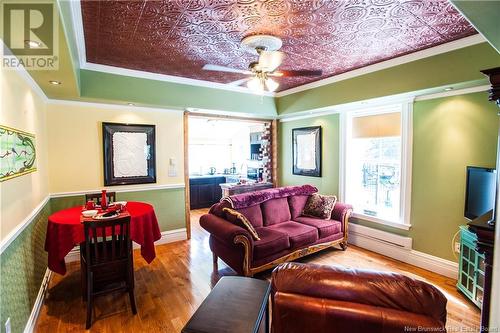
x=307 y=151
x=129 y=154
x=17 y=153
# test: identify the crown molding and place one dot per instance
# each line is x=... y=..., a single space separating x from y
x=111 y=106
x=380 y=102
x=169 y=78
x=453 y=93
x=443 y=48
x=195 y=111
x=77 y=22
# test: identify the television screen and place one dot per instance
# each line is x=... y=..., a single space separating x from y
x=480 y=191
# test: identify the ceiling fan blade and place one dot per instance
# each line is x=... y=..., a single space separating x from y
x=217 y=68
x=300 y=72
x=270 y=60
x=239 y=82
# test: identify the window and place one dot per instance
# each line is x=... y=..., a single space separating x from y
x=376 y=164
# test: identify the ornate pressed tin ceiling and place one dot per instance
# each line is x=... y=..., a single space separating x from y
x=178 y=37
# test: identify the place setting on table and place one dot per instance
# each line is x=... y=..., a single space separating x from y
x=65 y=228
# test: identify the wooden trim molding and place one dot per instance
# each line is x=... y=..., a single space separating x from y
x=187 y=201
x=243 y=240
x=247 y=246
x=12 y=235
x=274 y=152
x=227 y=117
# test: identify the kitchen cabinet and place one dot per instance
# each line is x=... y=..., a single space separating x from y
x=204 y=191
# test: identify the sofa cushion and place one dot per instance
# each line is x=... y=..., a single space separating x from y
x=271 y=242
x=298 y=233
x=297 y=204
x=253 y=214
x=320 y=206
x=275 y=211
x=241 y=221
x=325 y=227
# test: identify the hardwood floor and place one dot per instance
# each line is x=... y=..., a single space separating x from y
x=172 y=287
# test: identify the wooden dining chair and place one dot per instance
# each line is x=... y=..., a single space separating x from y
x=107 y=261
x=96 y=197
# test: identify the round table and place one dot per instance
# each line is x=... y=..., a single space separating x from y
x=65 y=230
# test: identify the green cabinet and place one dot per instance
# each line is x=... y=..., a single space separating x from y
x=471 y=267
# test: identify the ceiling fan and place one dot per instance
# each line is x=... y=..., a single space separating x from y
x=261 y=72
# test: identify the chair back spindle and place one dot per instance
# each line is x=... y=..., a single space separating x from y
x=107 y=240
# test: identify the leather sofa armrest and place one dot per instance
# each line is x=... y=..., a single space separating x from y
x=223 y=230
x=380 y=289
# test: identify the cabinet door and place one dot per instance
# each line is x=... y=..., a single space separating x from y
x=467 y=269
x=206 y=195
x=218 y=189
x=479 y=282
x=193 y=196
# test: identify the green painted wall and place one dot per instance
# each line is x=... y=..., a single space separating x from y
x=98 y=86
x=168 y=205
x=22 y=267
x=484 y=16
x=461 y=65
x=329 y=182
x=448 y=134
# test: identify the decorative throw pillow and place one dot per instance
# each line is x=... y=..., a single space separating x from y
x=241 y=221
x=320 y=206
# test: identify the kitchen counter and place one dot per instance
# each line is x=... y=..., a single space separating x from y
x=233 y=188
x=215 y=175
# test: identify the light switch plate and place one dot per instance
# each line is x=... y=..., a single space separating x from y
x=457 y=247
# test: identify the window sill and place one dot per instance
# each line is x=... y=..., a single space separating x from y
x=368 y=218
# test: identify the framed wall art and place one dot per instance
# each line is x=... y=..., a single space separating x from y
x=17 y=153
x=306 y=151
x=129 y=154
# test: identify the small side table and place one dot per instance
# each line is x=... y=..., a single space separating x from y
x=236 y=304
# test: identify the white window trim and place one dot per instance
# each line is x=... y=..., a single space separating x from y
x=406 y=108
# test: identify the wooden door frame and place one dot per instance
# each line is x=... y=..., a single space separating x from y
x=274 y=150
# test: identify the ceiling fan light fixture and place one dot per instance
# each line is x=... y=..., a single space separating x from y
x=272 y=85
x=255 y=84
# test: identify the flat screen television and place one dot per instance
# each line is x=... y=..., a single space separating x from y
x=480 y=191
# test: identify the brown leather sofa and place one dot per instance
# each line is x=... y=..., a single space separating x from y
x=313 y=298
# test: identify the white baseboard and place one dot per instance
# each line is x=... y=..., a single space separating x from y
x=30 y=325
x=426 y=261
x=169 y=236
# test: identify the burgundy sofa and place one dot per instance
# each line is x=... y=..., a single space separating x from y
x=284 y=234
x=326 y=299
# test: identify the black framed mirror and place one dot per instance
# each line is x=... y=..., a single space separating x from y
x=129 y=154
x=306 y=151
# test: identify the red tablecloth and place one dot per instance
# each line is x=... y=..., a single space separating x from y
x=65 y=230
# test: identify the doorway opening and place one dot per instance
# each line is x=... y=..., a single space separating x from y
x=226 y=156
